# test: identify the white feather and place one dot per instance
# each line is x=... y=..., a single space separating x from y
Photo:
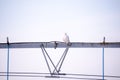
x=66 y=39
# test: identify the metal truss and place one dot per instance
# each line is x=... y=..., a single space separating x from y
x=57 y=67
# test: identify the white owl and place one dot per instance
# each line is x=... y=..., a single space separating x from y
x=66 y=39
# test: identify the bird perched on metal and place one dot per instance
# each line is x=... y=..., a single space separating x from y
x=66 y=39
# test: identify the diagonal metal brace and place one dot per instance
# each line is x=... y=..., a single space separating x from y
x=45 y=56
x=59 y=64
x=46 y=59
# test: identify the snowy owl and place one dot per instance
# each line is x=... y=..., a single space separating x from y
x=66 y=39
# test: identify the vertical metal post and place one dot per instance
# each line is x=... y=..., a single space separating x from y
x=103 y=59
x=103 y=63
x=8 y=59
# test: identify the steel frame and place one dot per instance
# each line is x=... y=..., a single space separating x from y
x=57 y=44
x=57 y=68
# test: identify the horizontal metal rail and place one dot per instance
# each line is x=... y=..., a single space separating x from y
x=56 y=44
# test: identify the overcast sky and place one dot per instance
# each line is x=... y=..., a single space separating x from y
x=48 y=20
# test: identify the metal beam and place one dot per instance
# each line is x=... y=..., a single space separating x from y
x=55 y=44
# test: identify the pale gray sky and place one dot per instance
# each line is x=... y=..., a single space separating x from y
x=48 y=20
